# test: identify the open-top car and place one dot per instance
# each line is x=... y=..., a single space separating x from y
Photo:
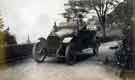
x=66 y=41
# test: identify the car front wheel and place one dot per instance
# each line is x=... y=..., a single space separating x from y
x=39 y=53
x=70 y=56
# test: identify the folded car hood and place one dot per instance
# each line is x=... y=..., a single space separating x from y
x=64 y=32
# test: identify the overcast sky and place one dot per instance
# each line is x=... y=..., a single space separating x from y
x=30 y=17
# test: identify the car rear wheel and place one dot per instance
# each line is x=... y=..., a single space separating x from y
x=70 y=55
x=39 y=53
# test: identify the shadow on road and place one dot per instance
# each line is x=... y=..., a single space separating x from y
x=50 y=60
x=18 y=61
x=80 y=58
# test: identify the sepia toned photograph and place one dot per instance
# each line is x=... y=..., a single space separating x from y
x=67 y=40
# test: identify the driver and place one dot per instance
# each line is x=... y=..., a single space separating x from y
x=81 y=23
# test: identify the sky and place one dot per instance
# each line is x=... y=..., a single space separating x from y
x=33 y=18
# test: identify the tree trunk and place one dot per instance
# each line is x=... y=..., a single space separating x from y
x=103 y=27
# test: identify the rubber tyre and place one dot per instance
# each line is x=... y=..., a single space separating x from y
x=39 y=56
x=70 y=55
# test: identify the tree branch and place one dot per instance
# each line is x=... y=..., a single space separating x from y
x=106 y=7
x=99 y=16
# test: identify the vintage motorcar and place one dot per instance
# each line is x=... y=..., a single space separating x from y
x=65 y=42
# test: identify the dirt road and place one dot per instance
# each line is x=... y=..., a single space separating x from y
x=52 y=69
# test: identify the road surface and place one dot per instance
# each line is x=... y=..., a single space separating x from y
x=88 y=68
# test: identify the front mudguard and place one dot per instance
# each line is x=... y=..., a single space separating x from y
x=43 y=42
x=61 y=49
